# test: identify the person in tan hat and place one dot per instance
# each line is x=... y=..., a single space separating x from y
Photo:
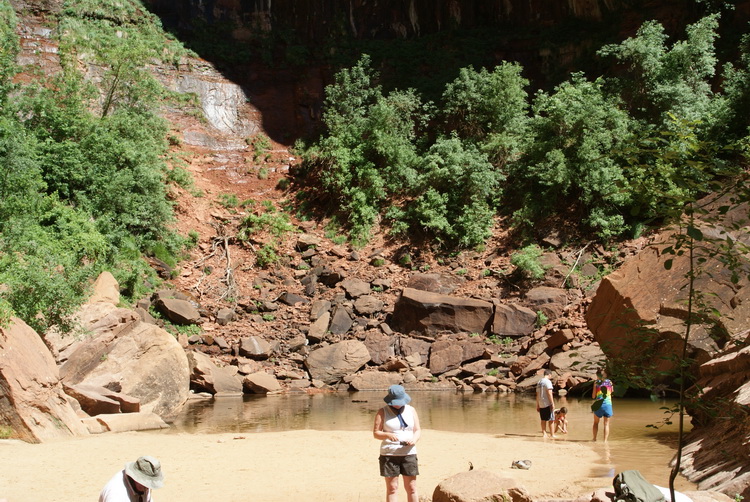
x=397 y=427
x=135 y=482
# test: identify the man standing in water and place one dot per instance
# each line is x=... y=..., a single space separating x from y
x=545 y=403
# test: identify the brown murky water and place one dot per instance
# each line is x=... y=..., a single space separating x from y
x=633 y=444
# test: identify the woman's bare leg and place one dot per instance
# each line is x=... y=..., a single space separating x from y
x=410 y=484
x=606 y=428
x=391 y=489
x=596 y=427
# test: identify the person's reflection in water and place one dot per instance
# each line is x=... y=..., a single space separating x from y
x=607 y=469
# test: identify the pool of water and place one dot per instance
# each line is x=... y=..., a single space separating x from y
x=638 y=437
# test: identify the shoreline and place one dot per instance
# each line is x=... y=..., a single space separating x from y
x=310 y=465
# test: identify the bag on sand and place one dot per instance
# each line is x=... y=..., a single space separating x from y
x=631 y=486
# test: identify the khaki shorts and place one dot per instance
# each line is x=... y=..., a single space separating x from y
x=393 y=466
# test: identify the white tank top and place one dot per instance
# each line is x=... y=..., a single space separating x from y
x=391 y=423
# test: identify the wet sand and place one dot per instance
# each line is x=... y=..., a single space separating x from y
x=308 y=465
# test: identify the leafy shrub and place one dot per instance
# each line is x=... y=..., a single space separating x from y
x=275 y=222
x=266 y=255
x=526 y=260
x=456 y=186
x=261 y=145
x=489 y=109
x=228 y=200
x=369 y=153
x=662 y=80
x=572 y=166
x=83 y=163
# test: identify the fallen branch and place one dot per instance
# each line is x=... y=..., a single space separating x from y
x=575 y=264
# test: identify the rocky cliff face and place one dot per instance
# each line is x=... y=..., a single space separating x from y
x=283 y=52
x=317 y=21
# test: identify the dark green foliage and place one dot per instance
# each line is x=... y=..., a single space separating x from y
x=662 y=80
x=526 y=260
x=572 y=153
x=8 y=49
x=736 y=84
x=369 y=153
x=456 y=185
x=572 y=165
x=489 y=109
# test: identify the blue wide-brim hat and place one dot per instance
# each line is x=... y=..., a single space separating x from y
x=397 y=396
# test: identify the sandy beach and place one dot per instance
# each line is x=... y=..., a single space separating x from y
x=308 y=465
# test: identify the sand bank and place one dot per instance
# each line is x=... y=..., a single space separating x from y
x=308 y=465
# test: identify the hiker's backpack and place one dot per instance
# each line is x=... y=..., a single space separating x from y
x=631 y=486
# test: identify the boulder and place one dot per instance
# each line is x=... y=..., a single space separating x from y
x=513 y=320
x=261 y=383
x=32 y=401
x=330 y=364
x=367 y=305
x=178 y=311
x=638 y=312
x=96 y=400
x=550 y=301
x=479 y=486
x=319 y=328
x=716 y=451
x=207 y=376
x=95 y=319
x=292 y=299
x=318 y=308
x=430 y=313
x=450 y=352
x=410 y=346
x=255 y=348
x=119 y=422
x=560 y=337
x=443 y=284
x=587 y=358
x=306 y=241
x=140 y=360
x=375 y=380
x=355 y=287
x=381 y=346
x=341 y=321
x=225 y=316
x=106 y=289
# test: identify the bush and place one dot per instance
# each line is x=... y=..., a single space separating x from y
x=489 y=109
x=572 y=166
x=526 y=261
x=369 y=154
x=456 y=185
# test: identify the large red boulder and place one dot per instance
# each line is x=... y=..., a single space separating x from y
x=32 y=401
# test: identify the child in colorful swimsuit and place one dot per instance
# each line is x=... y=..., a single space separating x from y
x=561 y=420
x=602 y=407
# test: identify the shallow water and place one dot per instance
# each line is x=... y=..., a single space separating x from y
x=633 y=442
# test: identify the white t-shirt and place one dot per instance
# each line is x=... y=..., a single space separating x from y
x=118 y=489
x=391 y=423
x=541 y=391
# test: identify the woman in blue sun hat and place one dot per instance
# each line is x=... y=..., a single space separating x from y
x=397 y=428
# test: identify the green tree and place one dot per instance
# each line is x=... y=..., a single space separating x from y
x=733 y=118
x=8 y=49
x=369 y=152
x=571 y=166
x=660 y=80
x=489 y=109
x=456 y=189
